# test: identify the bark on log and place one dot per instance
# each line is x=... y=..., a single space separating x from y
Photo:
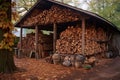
x=54 y=14
x=70 y=41
x=44 y=43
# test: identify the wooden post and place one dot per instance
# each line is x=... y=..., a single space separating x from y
x=36 y=42
x=83 y=36
x=21 y=38
x=54 y=37
x=20 y=51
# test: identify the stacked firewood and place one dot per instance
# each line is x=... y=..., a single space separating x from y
x=54 y=14
x=70 y=41
x=93 y=40
x=44 y=43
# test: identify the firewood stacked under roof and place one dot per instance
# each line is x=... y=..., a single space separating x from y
x=44 y=43
x=54 y=14
x=70 y=41
x=34 y=13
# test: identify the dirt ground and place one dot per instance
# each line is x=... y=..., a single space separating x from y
x=32 y=69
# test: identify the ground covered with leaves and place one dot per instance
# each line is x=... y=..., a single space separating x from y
x=32 y=69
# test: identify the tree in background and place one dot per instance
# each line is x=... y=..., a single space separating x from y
x=109 y=9
x=76 y=3
x=6 y=38
x=64 y=1
x=22 y=6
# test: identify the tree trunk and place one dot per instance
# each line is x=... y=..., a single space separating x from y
x=6 y=57
x=6 y=62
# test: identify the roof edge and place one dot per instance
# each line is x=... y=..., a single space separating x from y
x=28 y=12
x=68 y=6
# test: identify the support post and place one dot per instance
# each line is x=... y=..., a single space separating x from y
x=36 y=42
x=20 y=51
x=83 y=36
x=54 y=37
x=21 y=38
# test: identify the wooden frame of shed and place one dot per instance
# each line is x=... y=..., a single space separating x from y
x=42 y=5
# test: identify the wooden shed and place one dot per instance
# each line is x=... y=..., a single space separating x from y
x=75 y=31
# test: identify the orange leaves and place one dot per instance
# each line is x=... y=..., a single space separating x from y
x=7 y=42
x=13 y=4
x=6 y=27
x=1 y=46
x=15 y=16
x=3 y=15
x=8 y=35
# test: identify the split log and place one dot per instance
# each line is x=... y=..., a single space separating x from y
x=70 y=41
x=44 y=43
x=54 y=14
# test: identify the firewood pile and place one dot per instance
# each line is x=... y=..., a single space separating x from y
x=44 y=43
x=54 y=14
x=70 y=41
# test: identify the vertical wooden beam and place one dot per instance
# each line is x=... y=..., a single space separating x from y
x=54 y=37
x=36 y=42
x=20 y=51
x=21 y=31
x=83 y=36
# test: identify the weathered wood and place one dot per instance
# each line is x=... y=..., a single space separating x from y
x=36 y=42
x=83 y=36
x=21 y=44
x=21 y=31
x=54 y=37
x=45 y=43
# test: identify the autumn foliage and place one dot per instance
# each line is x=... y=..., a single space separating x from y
x=6 y=27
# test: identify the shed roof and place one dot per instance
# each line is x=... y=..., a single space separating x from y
x=43 y=4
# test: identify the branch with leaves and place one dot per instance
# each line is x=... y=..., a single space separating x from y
x=6 y=27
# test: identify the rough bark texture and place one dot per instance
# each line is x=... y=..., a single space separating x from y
x=6 y=62
x=6 y=59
